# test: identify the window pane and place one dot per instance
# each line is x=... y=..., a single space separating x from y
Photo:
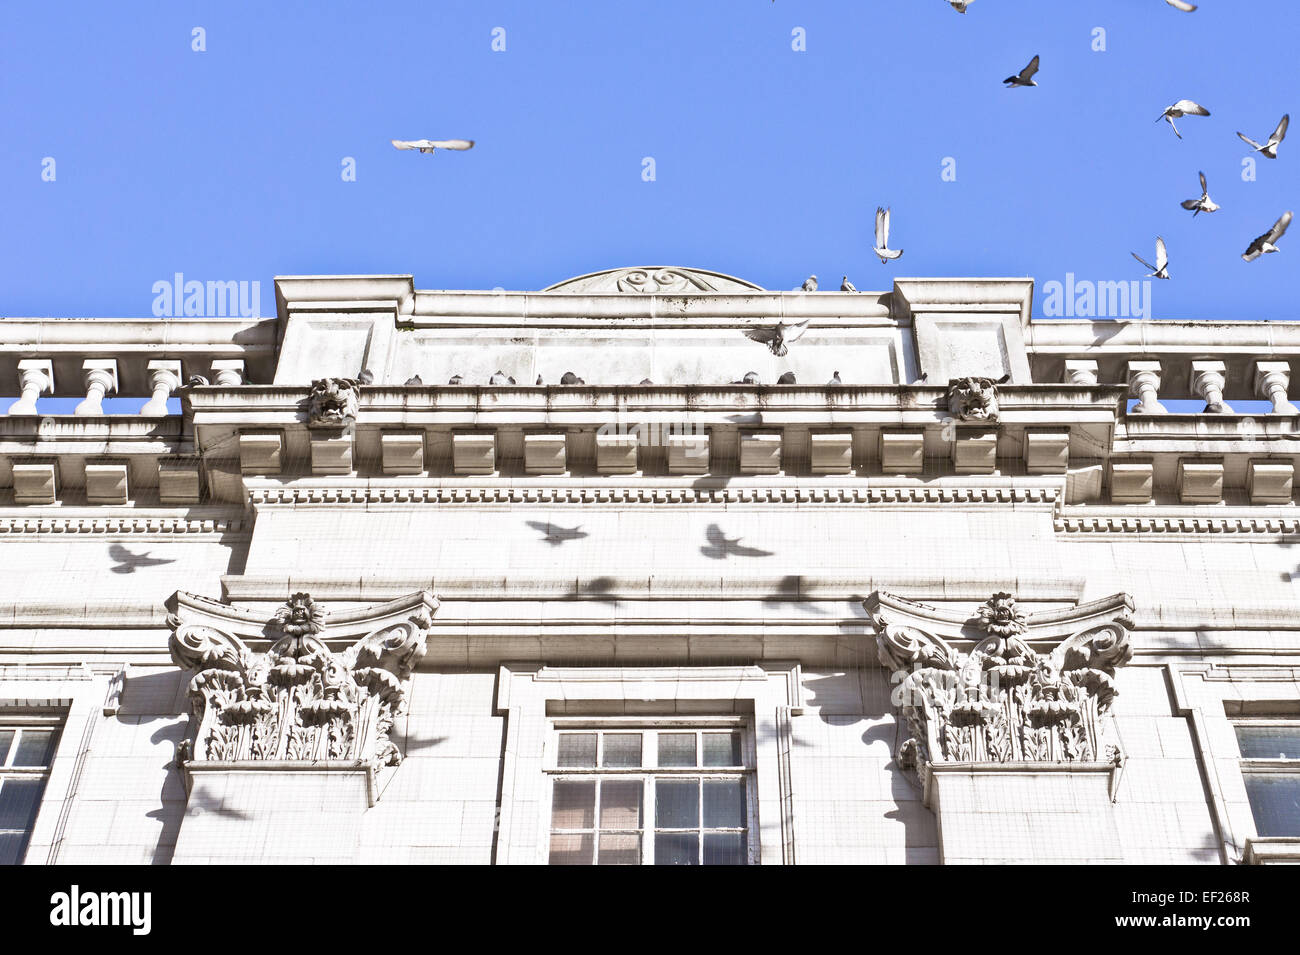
x=677 y=848
x=721 y=749
x=620 y=805
x=577 y=750
x=35 y=748
x=677 y=804
x=18 y=801
x=677 y=749
x=622 y=750
x=724 y=848
x=574 y=805
x=1275 y=803
x=1269 y=742
x=571 y=849
x=12 y=845
x=724 y=804
x=620 y=849
x=6 y=737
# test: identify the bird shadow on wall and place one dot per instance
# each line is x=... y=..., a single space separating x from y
x=128 y=562
x=555 y=534
x=721 y=547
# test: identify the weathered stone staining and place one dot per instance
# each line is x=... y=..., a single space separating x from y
x=864 y=572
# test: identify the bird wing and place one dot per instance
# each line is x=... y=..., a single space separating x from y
x=1031 y=69
x=1162 y=254
x=1205 y=190
x=1191 y=203
x=1255 y=249
x=761 y=333
x=1279 y=134
x=794 y=332
x=1144 y=262
x=411 y=143
x=1279 y=227
x=1247 y=139
x=882 y=228
x=1181 y=5
x=451 y=143
x=1191 y=108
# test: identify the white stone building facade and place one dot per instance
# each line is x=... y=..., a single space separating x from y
x=951 y=596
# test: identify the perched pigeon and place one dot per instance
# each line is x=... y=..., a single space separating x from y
x=416 y=380
x=1269 y=149
x=1161 y=269
x=1181 y=5
x=810 y=284
x=455 y=380
x=751 y=378
x=1203 y=204
x=500 y=379
x=539 y=380
x=429 y=145
x=835 y=379
x=786 y=379
x=846 y=285
x=367 y=377
x=1025 y=77
x=960 y=5
x=645 y=381
x=1268 y=241
x=777 y=337
x=569 y=378
x=882 y=248
x=1184 y=107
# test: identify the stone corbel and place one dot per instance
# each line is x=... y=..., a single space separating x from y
x=305 y=699
x=1003 y=686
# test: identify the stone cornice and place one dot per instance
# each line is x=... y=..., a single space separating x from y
x=134 y=522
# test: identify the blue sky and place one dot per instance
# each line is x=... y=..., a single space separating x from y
x=225 y=164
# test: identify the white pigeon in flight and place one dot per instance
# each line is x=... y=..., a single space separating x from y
x=1161 y=269
x=1269 y=149
x=777 y=337
x=1025 y=77
x=1203 y=204
x=882 y=248
x=1181 y=5
x=1268 y=241
x=429 y=145
x=960 y=5
x=1184 y=107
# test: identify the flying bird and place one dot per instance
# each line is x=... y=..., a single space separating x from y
x=429 y=145
x=778 y=337
x=1203 y=204
x=960 y=5
x=882 y=248
x=1181 y=5
x=1268 y=241
x=1269 y=149
x=810 y=284
x=1025 y=77
x=846 y=285
x=1184 y=107
x=1161 y=269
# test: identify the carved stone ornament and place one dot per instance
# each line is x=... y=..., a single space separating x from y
x=653 y=280
x=333 y=403
x=1033 y=689
x=299 y=701
x=974 y=399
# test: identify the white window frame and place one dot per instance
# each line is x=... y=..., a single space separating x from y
x=1261 y=766
x=8 y=771
x=650 y=775
x=531 y=695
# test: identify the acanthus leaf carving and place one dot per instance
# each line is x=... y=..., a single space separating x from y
x=298 y=701
x=1002 y=701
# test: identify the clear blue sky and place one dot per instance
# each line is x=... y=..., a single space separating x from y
x=226 y=164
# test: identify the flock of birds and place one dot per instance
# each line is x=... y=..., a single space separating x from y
x=778 y=337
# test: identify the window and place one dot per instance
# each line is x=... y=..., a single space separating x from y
x=666 y=793
x=26 y=751
x=1270 y=764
